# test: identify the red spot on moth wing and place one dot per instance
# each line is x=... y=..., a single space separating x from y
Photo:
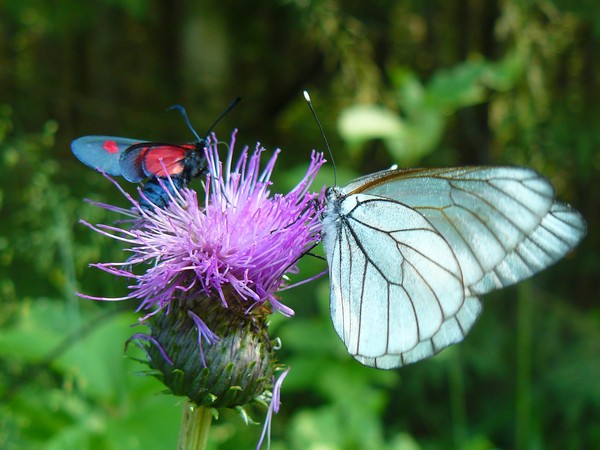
x=110 y=146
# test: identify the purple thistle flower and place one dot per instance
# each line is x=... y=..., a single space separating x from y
x=242 y=238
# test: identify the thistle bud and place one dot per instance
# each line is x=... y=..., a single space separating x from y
x=226 y=372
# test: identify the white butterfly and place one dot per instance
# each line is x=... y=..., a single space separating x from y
x=409 y=252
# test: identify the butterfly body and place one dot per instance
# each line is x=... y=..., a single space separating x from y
x=409 y=252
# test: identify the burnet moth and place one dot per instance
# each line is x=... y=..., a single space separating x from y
x=137 y=160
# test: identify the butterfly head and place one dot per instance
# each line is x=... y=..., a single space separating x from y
x=333 y=194
x=331 y=213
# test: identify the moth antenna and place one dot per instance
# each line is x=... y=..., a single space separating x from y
x=226 y=111
x=312 y=110
x=181 y=110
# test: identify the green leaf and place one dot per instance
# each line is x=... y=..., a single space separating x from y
x=457 y=87
x=361 y=123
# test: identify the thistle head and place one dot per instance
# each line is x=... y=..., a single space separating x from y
x=207 y=268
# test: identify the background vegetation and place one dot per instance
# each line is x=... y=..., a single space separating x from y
x=414 y=82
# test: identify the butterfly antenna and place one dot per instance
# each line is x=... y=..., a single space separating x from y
x=312 y=110
x=181 y=110
x=226 y=111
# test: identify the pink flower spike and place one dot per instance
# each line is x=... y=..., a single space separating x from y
x=273 y=408
x=204 y=333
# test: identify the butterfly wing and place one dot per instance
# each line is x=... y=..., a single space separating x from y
x=396 y=286
x=409 y=251
x=102 y=152
x=503 y=223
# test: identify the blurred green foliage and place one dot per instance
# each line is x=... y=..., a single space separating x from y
x=417 y=128
x=408 y=82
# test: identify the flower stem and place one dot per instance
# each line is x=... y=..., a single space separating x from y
x=523 y=414
x=195 y=425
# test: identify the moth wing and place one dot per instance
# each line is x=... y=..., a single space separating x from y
x=102 y=152
x=165 y=160
x=131 y=162
x=150 y=159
